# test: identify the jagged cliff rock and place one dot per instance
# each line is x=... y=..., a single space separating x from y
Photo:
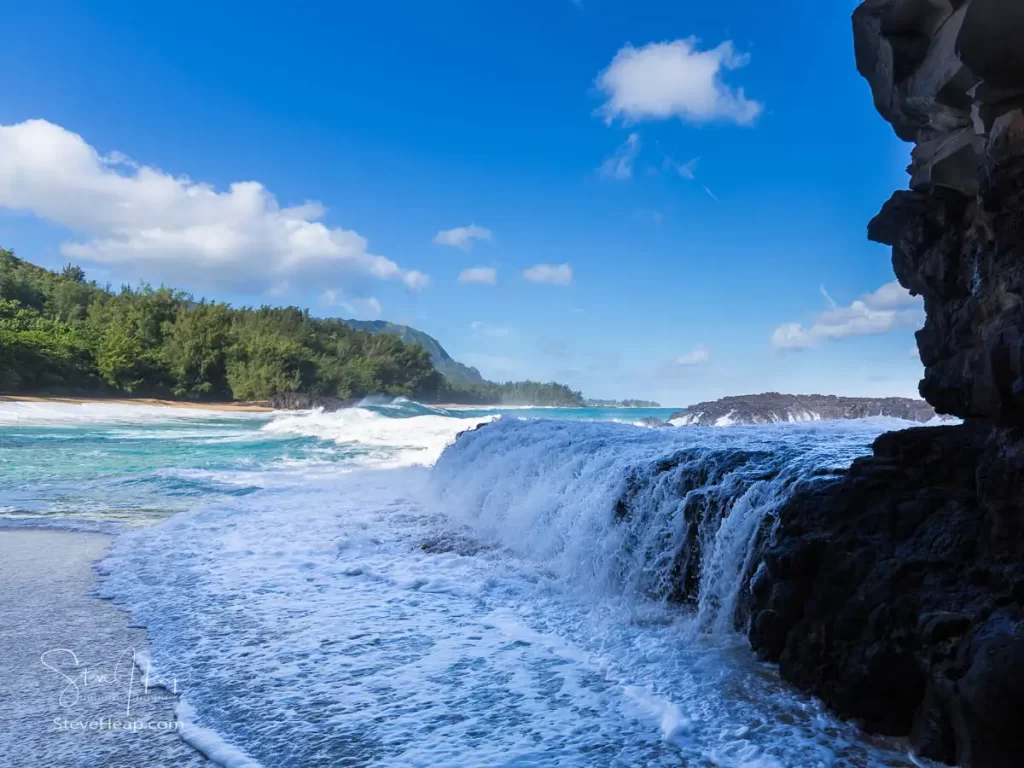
x=772 y=407
x=897 y=592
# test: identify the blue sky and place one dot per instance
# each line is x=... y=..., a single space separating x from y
x=658 y=199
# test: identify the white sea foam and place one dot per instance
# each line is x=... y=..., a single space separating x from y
x=209 y=742
x=406 y=441
x=494 y=609
x=53 y=413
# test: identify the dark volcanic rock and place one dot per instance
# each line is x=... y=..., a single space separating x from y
x=894 y=593
x=652 y=421
x=772 y=407
x=897 y=592
x=301 y=401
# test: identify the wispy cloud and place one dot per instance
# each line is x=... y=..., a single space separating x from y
x=687 y=170
x=463 y=237
x=829 y=299
x=697 y=356
x=479 y=276
x=675 y=79
x=160 y=226
x=361 y=307
x=878 y=312
x=486 y=330
x=620 y=165
x=552 y=274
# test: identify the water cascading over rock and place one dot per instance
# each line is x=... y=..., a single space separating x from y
x=896 y=592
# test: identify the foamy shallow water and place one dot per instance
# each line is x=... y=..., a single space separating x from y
x=325 y=595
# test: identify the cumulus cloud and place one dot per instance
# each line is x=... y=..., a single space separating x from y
x=620 y=165
x=463 y=237
x=479 y=276
x=698 y=356
x=874 y=313
x=552 y=274
x=675 y=79
x=159 y=225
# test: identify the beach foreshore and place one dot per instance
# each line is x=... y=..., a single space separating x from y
x=71 y=694
x=237 y=407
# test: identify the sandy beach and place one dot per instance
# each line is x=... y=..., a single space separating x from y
x=70 y=695
x=238 y=407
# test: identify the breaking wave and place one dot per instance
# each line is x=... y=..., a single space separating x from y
x=672 y=516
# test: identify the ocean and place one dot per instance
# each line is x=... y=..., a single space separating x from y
x=358 y=588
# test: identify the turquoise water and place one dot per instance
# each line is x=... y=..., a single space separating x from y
x=104 y=467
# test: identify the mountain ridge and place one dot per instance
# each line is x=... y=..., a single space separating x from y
x=445 y=364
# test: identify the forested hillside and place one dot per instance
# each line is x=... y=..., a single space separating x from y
x=60 y=334
x=451 y=369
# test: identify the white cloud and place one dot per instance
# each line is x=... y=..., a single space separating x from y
x=161 y=226
x=479 y=276
x=675 y=79
x=553 y=274
x=698 y=356
x=620 y=165
x=891 y=296
x=874 y=313
x=463 y=237
x=364 y=307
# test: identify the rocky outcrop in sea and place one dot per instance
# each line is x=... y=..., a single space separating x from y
x=896 y=593
x=772 y=408
x=303 y=401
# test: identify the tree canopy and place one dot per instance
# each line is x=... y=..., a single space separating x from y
x=60 y=334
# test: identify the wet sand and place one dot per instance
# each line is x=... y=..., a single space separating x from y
x=65 y=700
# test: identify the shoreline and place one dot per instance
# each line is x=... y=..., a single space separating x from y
x=150 y=401
x=68 y=661
x=263 y=407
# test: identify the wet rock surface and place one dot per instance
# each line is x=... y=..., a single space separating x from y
x=896 y=593
x=302 y=401
x=772 y=407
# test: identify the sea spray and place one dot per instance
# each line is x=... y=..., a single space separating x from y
x=674 y=516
